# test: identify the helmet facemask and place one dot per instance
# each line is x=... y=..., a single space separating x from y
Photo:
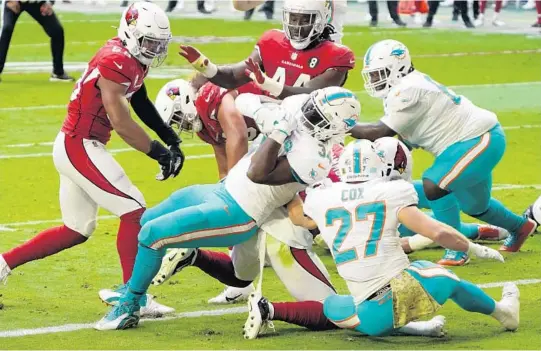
x=153 y=50
x=377 y=81
x=302 y=27
x=185 y=123
x=314 y=123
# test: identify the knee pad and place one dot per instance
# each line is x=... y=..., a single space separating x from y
x=341 y=310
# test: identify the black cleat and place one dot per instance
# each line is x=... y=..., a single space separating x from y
x=61 y=78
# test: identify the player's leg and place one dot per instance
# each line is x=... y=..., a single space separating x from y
x=300 y=270
x=79 y=216
x=9 y=19
x=54 y=30
x=442 y=285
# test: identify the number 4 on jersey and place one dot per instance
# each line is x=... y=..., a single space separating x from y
x=280 y=77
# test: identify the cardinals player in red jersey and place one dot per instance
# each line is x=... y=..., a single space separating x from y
x=212 y=115
x=297 y=60
x=89 y=175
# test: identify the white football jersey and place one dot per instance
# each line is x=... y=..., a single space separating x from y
x=430 y=116
x=359 y=224
x=309 y=160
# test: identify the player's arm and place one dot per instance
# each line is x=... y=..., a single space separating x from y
x=443 y=234
x=297 y=216
x=235 y=130
x=229 y=76
x=245 y=5
x=116 y=105
x=221 y=160
x=371 y=131
x=117 y=108
x=266 y=167
x=330 y=78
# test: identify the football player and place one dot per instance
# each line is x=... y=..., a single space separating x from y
x=338 y=12
x=229 y=213
x=297 y=60
x=358 y=218
x=89 y=176
x=467 y=141
x=399 y=162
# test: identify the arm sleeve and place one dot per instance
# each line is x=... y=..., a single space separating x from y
x=343 y=58
x=401 y=194
x=308 y=159
x=146 y=111
x=401 y=109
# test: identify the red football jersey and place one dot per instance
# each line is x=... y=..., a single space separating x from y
x=87 y=117
x=283 y=62
x=208 y=102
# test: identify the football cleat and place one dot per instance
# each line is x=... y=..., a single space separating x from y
x=491 y=233
x=173 y=262
x=454 y=258
x=508 y=308
x=437 y=327
x=150 y=308
x=232 y=295
x=121 y=316
x=258 y=320
x=4 y=270
x=514 y=242
x=61 y=78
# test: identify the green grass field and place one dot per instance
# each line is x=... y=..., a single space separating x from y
x=63 y=289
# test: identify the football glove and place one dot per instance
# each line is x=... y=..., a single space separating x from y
x=171 y=161
x=484 y=252
x=199 y=61
x=261 y=79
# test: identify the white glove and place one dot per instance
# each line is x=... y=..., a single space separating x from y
x=484 y=252
x=268 y=116
x=283 y=128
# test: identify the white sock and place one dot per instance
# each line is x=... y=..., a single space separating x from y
x=423 y=328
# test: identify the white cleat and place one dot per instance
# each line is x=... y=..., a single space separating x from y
x=479 y=21
x=498 y=23
x=173 y=262
x=258 y=317
x=150 y=308
x=508 y=308
x=232 y=295
x=4 y=270
x=438 y=324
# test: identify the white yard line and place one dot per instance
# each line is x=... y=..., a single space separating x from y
x=471 y=86
x=11 y=226
x=196 y=314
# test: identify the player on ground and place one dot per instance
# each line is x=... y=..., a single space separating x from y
x=89 y=175
x=399 y=162
x=358 y=219
x=230 y=212
x=298 y=60
x=338 y=12
x=467 y=141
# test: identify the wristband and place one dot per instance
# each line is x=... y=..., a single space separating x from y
x=278 y=136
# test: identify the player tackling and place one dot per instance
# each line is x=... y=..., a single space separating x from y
x=89 y=176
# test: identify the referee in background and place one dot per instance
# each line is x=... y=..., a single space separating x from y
x=42 y=12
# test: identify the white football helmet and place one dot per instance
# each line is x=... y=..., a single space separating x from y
x=397 y=158
x=145 y=31
x=176 y=105
x=360 y=162
x=329 y=113
x=385 y=63
x=305 y=20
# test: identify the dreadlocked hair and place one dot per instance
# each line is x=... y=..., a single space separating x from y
x=328 y=31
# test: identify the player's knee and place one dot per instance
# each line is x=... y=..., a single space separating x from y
x=474 y=209
x=341 y=310
x=147 y=236
x=432 y=190
x=85 y=228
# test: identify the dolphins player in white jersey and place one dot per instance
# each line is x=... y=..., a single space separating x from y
x=288 y=247
x=296 y=153
x=358 y=218
x=399 y=162
x=467 y=141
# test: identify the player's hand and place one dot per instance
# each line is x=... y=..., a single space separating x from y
x=484 y=252
x=199 y=61
x=46 y=9
x=261 y=79
x=173 y=165
x=14 y=6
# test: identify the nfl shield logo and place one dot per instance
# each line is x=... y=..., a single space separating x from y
x=294 y=56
